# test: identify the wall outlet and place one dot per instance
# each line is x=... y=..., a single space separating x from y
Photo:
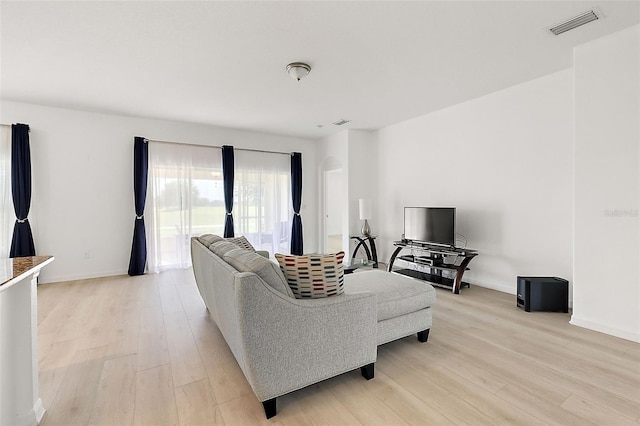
x=86 y=255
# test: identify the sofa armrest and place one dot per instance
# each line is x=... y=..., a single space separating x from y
x=292 y=343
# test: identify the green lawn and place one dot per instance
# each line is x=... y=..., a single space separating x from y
x=205 y=219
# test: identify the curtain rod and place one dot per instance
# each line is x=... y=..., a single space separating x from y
x=215 y=146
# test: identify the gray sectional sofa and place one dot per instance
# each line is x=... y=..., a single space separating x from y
x=283 y=344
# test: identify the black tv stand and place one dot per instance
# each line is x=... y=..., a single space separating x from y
x=436 y=259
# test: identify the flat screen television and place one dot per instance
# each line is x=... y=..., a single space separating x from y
x=432 y=225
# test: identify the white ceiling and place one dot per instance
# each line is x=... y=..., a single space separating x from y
x=375 y=63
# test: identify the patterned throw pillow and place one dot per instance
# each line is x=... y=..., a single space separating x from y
x=313 y=276
x=241 y=242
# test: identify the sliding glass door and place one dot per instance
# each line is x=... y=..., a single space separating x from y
x=185 y=198
x=262 y=200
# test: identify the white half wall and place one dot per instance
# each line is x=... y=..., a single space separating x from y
x=333 y=200
x=363 y=179
x=82 y=174
x=333 y=154
x=607 y=185
x=505 y=161
x=356 y=153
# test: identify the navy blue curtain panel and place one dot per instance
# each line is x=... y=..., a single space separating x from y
x=228 y=176
x=296 y=195
x=138 y=258
x=22 y=241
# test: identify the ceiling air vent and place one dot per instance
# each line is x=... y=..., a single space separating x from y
x=340 y=122
x=572 y=23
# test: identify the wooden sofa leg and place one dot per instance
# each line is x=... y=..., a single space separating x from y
x=423 y=335
x=269 y=407
x=367 y=371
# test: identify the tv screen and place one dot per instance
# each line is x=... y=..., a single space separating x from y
x=434 y=225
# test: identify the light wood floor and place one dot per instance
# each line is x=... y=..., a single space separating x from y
x=121 y=351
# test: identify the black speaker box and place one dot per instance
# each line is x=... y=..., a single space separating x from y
x=543 y=294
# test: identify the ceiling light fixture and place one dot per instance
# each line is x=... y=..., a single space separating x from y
x=341 y=122
x=575 y=22
x=298 y=70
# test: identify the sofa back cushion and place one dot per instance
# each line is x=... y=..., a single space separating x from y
x=241 y=242
x=313 y=276
x=221 y=248
x=208 y=239
x=249 y=261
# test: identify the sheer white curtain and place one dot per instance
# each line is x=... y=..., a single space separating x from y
x=185 y=198
x=262 y=208
x=7 y=216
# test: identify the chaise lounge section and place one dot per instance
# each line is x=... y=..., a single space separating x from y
x=283 y=344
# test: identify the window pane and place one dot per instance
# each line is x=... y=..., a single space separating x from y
x=184 y=199
x=262 y=200
x=207 y=201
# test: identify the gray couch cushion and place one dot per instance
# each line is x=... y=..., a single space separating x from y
x=241 y=242
x=220 y=248
x=248 y=261
x=397 y=295
x=208 y=239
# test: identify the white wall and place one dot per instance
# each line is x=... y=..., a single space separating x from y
x=505 y=161
x=83 y=182
x=363 y=178
x=356 y=151
x=333 y=154
x=607 y=186
x=333 y=200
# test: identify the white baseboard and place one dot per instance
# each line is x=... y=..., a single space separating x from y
x=509 y=290
x=74 y=277
x=32 y=418
x=502 y=288
x=39 y=410
x=623 y=334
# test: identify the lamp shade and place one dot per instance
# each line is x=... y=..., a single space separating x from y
x=365 y=209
